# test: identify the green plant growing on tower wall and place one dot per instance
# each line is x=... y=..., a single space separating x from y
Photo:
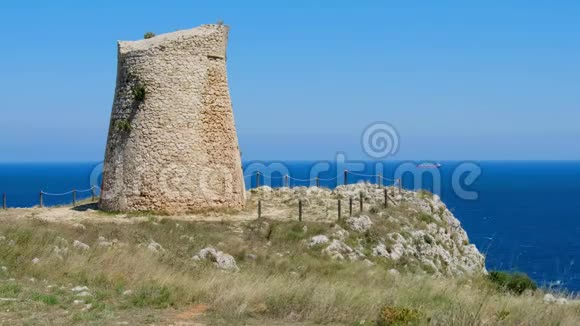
x=149 y=35
x=122 y=125
x=139 y=92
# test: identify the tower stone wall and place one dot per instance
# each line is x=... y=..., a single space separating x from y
x=172 y=144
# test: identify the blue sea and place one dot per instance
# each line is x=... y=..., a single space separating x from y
x=526 y=216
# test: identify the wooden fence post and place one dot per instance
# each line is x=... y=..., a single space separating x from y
x=40 y=199
x=345 y=177
x=4 y=201
x=349 y=206
x=339 y=212
x=257 y=179
x=399 y=183
x=361 y=201
x=93 y=193
x=286 y=181
x=74 y=193
x=317 y=182
x=259 y=208
x=386 y=197
x=300 y=210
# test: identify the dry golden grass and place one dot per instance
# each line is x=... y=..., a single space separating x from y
x=287 y=282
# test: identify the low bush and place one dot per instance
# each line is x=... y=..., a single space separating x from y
x=425 y=194
x=149 y=35
x=427 y=218
x=390 y=315
x=513 y=282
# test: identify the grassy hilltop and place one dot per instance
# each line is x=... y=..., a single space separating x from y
x=67 y=266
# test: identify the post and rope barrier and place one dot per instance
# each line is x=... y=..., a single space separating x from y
x=380 y=180
x=74 y=193
x=286 y=179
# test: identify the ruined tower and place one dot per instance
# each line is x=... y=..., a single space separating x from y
x=172 y=144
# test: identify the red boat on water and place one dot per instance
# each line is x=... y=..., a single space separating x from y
x=429 y=165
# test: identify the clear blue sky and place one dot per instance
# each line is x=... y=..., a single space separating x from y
x=459 y=80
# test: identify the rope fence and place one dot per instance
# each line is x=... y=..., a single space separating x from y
x=351 y=201
x=355 y=204
x=73 y=192
x=381 y=181
x=316 y=181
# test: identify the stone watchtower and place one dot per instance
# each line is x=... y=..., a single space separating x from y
x=172 y=144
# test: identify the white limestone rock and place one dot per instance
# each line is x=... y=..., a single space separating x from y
x=368 y=263
x=154 y=246
x=339 y=233
x=340 y=251
x=318 y=240
x=79 y=289
x=220 y=259
x=380 y=250
x=394 y=272
x=550 y=298
x=81 y=246
x=79 y=227
x=360 y=224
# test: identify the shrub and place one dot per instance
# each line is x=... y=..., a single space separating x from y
x=513 y=282
x=502 y=315
x=424 y=194
x=375 y=209
x=220 y=22
x=139 y=92
x=149 y=35
x=427 y=218
x=122 y=125
x=390 y=315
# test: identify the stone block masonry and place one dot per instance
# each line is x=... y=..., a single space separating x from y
x=172 y=143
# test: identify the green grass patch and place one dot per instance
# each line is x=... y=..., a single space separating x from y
x=10 y=289
x=153 y=295
x=48 y=299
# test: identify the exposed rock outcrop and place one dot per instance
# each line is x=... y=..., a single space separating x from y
x=360 y=224
x=417 y=231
